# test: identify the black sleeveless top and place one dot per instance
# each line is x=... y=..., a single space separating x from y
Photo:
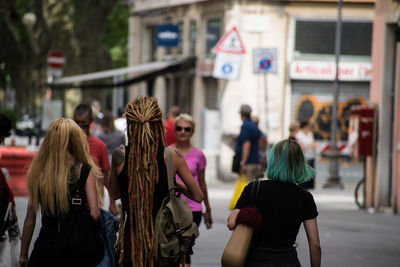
x=160 y=190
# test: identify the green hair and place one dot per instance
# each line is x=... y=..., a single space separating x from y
x=286 y=163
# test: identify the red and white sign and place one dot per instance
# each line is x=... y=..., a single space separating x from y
x=56 y=60
x=316 y=70
x=230 y=43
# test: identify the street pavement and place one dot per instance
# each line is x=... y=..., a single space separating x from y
x=349 y=236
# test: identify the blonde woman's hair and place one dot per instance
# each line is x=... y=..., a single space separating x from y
x=64 y=145
x=185 y=117
x=145 y=136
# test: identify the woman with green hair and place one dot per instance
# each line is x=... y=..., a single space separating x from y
x=283 y=206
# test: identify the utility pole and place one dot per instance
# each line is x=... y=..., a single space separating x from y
x=333 y=180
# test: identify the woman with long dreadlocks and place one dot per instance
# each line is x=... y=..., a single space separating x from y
x=139 y=178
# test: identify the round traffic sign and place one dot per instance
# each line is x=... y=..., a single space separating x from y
x=227 y=68
x=56 y=60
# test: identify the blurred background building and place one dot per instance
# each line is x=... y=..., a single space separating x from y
x=301 y=32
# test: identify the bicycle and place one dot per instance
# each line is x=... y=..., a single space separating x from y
x=359 y=196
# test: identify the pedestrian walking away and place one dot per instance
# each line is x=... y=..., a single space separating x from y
x=273 y=244
x=8 y=215
x=111 y=136
x=305 y=137
x=173 y=112
x=139 y=179
x=60 y=168
x=196 y=161
x=247 y=144
x=83 y=116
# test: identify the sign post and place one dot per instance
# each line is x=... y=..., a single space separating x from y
x=265 y=61
x=229 y=52
x=55 y=62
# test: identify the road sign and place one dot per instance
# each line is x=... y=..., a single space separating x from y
x=230 y=43
x=167 y=35
x=265 y=60
x=227 y=66
x=55 y=61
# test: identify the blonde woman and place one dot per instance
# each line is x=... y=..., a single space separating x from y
x=55 y=168
x=196 y=161
x=139 y=178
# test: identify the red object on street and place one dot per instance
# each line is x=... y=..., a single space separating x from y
x=56 y=60
x=17 y=161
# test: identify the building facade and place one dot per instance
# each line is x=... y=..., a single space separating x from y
x=301 y=34
x=383 y=171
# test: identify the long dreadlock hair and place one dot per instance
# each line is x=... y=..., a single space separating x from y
x=145 y=135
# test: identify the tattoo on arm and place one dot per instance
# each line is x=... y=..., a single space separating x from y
x=118 y=157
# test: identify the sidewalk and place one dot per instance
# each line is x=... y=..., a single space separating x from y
x=349 y=236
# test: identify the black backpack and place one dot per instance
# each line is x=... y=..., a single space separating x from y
x=77 y=233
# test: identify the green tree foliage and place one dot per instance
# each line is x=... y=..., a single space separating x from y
x=92 y=34
x=115 y=37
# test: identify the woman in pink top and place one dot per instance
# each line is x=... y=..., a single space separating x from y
x=196 y=161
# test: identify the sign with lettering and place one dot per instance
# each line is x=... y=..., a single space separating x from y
x=167 y=35
x=317 y=70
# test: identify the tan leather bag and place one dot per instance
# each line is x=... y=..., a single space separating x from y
x=237 y=248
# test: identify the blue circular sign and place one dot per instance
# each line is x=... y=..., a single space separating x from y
x=265 y=64
x=227 y=68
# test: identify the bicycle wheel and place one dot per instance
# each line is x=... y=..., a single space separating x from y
x=359 y=194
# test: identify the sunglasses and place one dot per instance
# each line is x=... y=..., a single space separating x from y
x=186 y=129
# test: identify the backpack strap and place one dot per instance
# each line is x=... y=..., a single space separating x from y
x=78 y=188
x=170 y=169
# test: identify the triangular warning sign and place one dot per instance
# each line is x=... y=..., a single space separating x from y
x=230 y=43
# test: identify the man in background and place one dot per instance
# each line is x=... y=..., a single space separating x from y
x=247 y=144
x=83 y=116
x=173 y=112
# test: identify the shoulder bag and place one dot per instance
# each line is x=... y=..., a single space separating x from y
x=248 y=219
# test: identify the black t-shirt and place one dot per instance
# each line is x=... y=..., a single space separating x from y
x=283 y=207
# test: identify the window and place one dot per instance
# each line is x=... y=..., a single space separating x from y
x=211 y=93
x=213 y=33
x=318 y=37
x=153 y=42
x=192 y=37
x=179 y=49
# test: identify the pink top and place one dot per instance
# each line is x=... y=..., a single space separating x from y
x=196 y=162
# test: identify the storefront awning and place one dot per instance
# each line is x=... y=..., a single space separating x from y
x=137 y=73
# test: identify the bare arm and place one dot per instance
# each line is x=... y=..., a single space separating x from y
x=203 y=187
x=118 y=160
x=91 y=195
x=27 y=232
x=193 y=190
x=231 y=222
x=311 y=228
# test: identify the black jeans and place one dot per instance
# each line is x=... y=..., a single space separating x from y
x=261 y=256
x=196 y=219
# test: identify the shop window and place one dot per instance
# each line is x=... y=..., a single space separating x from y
x=192 y=37
x=153 y=42
x=318 y=37
x=179 y=50
x=211 y=93
x=213 y=33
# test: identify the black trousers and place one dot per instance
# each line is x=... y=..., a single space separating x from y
x=197 y=220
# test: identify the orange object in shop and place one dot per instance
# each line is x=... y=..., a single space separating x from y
x=16 y=160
